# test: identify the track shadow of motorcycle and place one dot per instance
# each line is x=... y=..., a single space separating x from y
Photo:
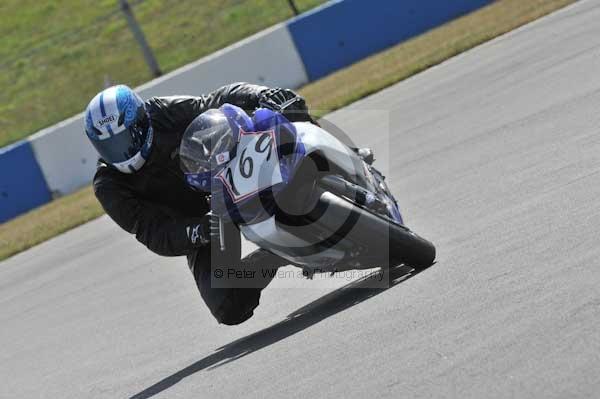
x=336 y=301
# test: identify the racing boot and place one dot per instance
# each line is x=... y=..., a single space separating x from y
x=263 y=266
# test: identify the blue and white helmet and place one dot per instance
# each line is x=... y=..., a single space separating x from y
x=117 y=124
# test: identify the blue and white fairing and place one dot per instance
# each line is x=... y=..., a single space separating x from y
x=267 y=153
x=260 y=159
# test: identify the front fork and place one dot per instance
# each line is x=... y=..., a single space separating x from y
x=221 y=235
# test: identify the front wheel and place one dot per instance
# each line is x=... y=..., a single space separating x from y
x=369 y=230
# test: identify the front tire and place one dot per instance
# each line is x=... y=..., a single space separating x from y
x=367 y=229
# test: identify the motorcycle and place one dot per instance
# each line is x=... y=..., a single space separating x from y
x=297 y=191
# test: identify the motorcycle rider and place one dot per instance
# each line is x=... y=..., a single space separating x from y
x=142 y=188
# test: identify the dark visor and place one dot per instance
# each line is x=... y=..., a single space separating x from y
x=119 y=147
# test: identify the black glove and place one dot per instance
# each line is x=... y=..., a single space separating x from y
x=286 y=102
x=200 y=234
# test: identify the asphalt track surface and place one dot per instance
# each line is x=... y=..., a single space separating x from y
x=494 y=157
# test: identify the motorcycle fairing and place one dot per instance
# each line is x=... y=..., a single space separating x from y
x=290 y=151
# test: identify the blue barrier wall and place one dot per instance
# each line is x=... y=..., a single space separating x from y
x=345 y=31
x=22 y=184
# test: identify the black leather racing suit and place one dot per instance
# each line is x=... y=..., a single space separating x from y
x=157 y=205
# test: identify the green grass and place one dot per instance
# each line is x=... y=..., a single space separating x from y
x=329 y=93
x=48 y=221
x=55 y=56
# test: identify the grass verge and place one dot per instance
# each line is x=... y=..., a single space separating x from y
x=332 y=92
x=55 y=55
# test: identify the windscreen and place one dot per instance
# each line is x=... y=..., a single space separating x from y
x=206 y=143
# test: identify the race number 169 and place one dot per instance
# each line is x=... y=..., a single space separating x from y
x=255 y=168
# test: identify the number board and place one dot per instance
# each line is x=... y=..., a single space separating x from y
x=255 y=167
